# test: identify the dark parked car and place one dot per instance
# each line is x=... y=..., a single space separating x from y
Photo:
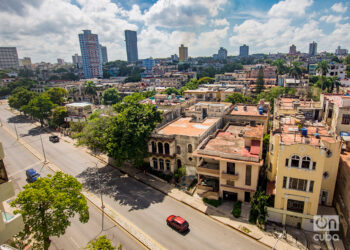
x=177 y=223
x=54 y=138
x=32 y=175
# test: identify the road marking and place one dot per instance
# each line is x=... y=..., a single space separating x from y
x=75 y=243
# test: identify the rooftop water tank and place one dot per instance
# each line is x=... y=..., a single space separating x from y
x=261 y=110
x=304 y=131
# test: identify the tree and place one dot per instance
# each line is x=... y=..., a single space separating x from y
x=322 y=67
x=133 y=98
x=25 y=73
x=58 y=115
x=334 y=82
x=295 y=70
x=258 y=211
x=4 y=91
x=20 y=97
x=231 y=67
x=40 y=107
x=129 y=131
x=90 y=88
x=281 y=67
x=260 y=81
x=110 y=96
x=236 y=98
x=171 y=90
x=57 y=95
x=206 y=79
x=101 y=243
x=48 y=204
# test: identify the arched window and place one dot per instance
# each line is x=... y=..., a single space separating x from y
x=155 y=163
x=179 y=164
x=178 y=149
x=161 y=164
x=154 y=147
x=166 y=148
x=189 y=148
x=160 y=148
x=295 y=161
x=167 y=164
x=305 y=162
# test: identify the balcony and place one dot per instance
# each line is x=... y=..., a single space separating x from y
x=207 y=169
x=229 y=176
x=10 y=225
x=207 y=192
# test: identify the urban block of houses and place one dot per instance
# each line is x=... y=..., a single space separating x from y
x=228 y=163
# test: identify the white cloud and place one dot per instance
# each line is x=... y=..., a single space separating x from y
x=220 y=22
x=287 y=8
x=339 y=7
x=331 y=19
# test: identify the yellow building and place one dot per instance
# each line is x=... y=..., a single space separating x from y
x=183 y=53
x=10 y=224
x=229 y=162
x=302 y=170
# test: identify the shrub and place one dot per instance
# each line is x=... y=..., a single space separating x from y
x=213 y=202
x=166 y=177
x=237 y=209
x=178 y=173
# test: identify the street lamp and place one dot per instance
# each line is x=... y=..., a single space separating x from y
x=100 y=187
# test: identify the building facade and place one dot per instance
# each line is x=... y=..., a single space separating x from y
x=77 y=61
x=91 y=55
x=131 y=46
x=8 y=58
x=222 y=53
x=104 y=54
x=183 y=53
x=313 y=49
x=341 y=52
x=244 y=51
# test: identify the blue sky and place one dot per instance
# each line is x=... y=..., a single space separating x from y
x=48 y=29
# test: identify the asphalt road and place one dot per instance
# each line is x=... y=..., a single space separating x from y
x=141 y=205
x=18 y=159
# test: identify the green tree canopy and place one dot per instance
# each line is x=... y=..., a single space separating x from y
x=258 y=211
x=48 y=204
x=206 y=79
x=260 y=81
x=295 y=70
x=20 y=97
x=236 y=98
x=58 y=115
x=133 y=98
x=40 y=107
x=281 y=67
x=172 y=90
x=110 y=96
x=101 y=243
x=231 y=67
x=90 y=88
x=57 y=95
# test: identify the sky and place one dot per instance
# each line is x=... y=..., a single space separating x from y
x=48 y=29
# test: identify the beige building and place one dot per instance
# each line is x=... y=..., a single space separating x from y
x=172 y=145
x=10 y=224
x=78 y=111
x=229 y=162
x=183 y=53
x=302 y=170
x=336 y=112
x=203 y=94
x=202 y=110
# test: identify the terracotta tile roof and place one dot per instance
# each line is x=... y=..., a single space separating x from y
x=184 y=126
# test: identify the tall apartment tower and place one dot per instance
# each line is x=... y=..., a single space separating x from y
x=292 y=50
x=91 y=54
x=183 y=53
x=244 y=50
x=222 y=53
x=104 y=54
x=313 y=49
x=8 y=58
x=131 y=46
x=77 y=61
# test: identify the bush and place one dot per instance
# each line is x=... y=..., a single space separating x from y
x=212 y=202
x=178 y=173
x=237 y=209
x=166 y=177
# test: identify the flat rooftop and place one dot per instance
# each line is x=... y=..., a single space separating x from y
x=184 y=126
x=339 y=100
x=251 y=111
x=78 y=104
x=224 y=105
x=287 y=103
x=230 y=141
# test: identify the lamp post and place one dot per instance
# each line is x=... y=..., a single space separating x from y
x=100 y=187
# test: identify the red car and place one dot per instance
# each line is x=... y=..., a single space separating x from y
x=177 y=223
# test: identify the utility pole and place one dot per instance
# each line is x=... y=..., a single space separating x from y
x=102 y=205
x=42 y=146
x=16 y=130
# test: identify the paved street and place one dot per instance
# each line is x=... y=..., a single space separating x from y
x=141 y=205
x=18 y=159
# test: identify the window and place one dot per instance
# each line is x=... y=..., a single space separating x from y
x=295 y=161
x=155 y=163
x=311 y=187
x=325 y=175
x=297 y=184
x=345 y=119
x=166 y=148
x=284 y=182
x=230 y=183
x=248 y=175
x=167 y=164
x=154 y=147
x=313 y=165
x=161 y=164
x=189 y=148
x=287 y=162
x=295 y=206
x=230 y=169
x=160 y=148
x=190 y=159
x=270 y=167
x=305 y=163
x=178 y=149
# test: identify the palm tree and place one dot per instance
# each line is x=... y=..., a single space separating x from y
x=90 y=89
x=334 y=82
x=322 y=67
x=281 y=67
x=295 y=70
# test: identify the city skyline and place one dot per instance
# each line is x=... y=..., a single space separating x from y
x=162 y=26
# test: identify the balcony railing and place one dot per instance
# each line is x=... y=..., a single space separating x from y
x=229 y=176
x=208 y=170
